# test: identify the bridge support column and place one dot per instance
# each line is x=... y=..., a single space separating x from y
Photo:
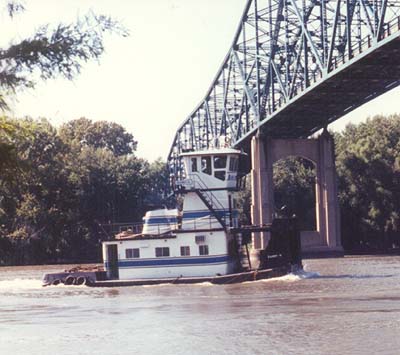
x=327 y=206
x=264 y=153
x=262 y=193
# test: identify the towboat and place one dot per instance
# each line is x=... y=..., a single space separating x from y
x=200 y=242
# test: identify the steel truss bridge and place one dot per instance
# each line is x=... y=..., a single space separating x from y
x=294 y=67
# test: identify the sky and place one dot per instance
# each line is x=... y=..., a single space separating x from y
x=150 y=81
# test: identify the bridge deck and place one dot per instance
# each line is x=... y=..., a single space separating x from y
x=376 y=72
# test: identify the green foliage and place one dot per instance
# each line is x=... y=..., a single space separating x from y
x=10 y=132
x=100 y=134
x=369 y=182
x=158 y=189
x=14 y=7
x=294 y=182
x=50 y=183
x=59 y=187
x=50 y=52
x=243 y=202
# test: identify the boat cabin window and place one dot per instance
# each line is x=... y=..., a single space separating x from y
x=200 y=238
x=233 y=164
x=162 y=252
x=220 y=167
x=220 y=175
x=185 y=251
x=203 y=249
x=206 y=165
x=194 y=164
x=220 y=162
x=132 y=253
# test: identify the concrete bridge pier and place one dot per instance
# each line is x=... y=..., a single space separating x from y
x=325 y=240
x=262 y=190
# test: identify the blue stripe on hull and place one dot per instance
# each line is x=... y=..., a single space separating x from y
x=172 y=262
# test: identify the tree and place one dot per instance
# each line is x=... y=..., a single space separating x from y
x=60 y=189
x=158 y=191
x=31 y=197
x=101 y=134
x=107 y=179
x=368 y=157
x=294 y=189
x=51 y=52
x=243 y=202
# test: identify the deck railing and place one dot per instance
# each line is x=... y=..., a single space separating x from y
x=130 y=229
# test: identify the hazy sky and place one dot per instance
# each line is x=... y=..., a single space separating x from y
x=150 y=81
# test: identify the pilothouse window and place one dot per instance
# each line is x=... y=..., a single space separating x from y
x=233 y=164
x=194 y=165
x=220 y=175
x=220 y=167
x=219 y=162
x=206 y=165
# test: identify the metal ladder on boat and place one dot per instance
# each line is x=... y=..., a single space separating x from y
x=209 y=199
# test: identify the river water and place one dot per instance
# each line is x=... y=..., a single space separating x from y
x=337 y=306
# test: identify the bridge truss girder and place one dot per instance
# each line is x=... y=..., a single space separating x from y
x=288 y=59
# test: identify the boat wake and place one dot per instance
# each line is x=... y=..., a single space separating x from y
x=20 y=284
x=206 y=283
x=294 y=276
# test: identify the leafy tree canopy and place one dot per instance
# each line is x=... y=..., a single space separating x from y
x=100 y=134
x=368 y=162
x=58 y=187
x=294 y=182
x=51 y=51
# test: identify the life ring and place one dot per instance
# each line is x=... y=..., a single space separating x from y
x=81 y=280
x=70 y=280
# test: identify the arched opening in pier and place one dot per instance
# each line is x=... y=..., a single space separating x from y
x=294 y=190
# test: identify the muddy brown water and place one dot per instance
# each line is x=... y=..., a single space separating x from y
x=337 y=306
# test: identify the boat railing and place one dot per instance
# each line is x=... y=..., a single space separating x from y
x=200 y=223
x=129 y=227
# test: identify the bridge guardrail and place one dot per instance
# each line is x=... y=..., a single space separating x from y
x=357 y=49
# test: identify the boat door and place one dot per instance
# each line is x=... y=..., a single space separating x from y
x=112 y=258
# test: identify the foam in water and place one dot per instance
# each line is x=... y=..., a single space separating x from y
x=20 y=284
x=171 y=284
x=206 y=283
x=155 y=285
x=295 y=276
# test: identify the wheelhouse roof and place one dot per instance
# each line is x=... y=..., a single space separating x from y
x=215 y=151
